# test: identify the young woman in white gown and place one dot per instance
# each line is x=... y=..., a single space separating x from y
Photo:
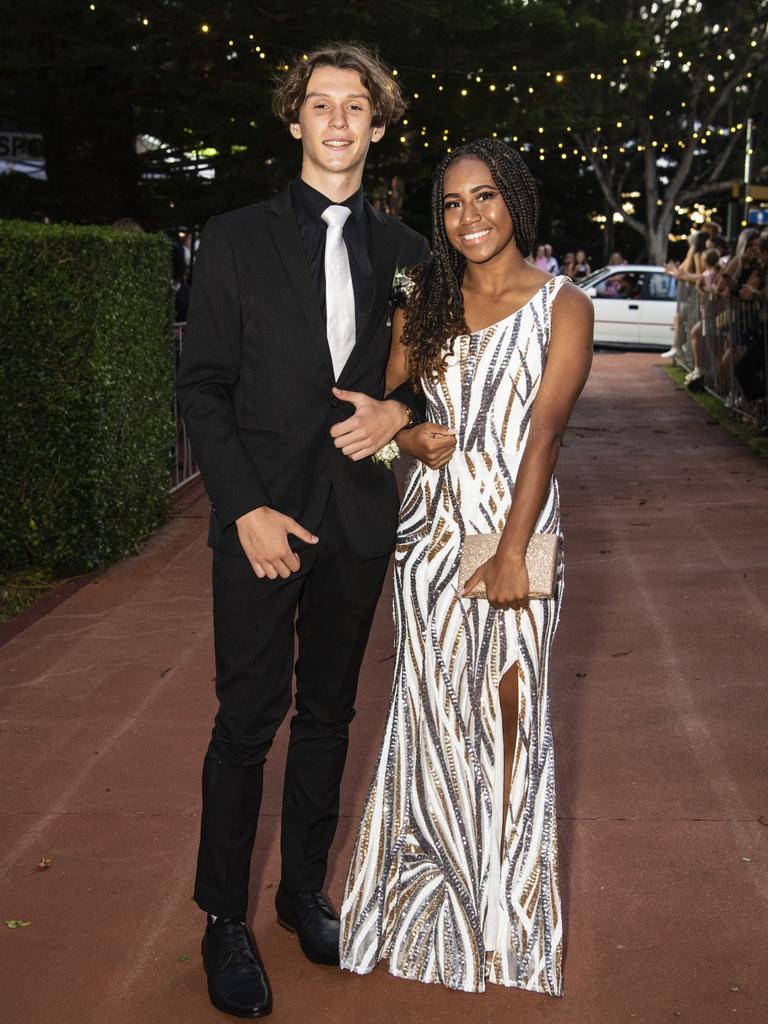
x=454 y=876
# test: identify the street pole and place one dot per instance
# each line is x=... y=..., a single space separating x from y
x=748 y=152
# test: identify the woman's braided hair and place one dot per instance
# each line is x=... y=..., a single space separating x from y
x=435 y=312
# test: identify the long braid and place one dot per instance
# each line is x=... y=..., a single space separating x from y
x=435 y=313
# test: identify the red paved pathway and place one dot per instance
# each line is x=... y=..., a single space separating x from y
x=660 y=708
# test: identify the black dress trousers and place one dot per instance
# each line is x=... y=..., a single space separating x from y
x=329 y=604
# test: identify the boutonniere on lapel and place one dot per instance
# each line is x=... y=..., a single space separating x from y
x=402 y=287
x=387 y=455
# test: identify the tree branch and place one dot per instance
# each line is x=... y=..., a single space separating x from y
x=650 y=177
x=611 y=196
x=684 y=165
x=715 y=171
x=709 y=182
x=754 y=60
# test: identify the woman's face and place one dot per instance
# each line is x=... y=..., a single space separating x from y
x=541 y=252
x=751 y=249
x=477 y=221
x=581 y=256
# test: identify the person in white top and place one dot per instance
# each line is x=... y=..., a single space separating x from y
x=552 y=265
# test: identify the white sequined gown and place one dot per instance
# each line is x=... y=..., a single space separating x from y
x=427 y=888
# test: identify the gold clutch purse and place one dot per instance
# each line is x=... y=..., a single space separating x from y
x=541 y=559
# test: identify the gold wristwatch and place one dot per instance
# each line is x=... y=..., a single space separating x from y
x=411 y=417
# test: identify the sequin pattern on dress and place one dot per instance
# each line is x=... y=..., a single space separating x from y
x=427 y=889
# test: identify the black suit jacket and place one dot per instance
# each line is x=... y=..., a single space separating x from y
x=256 y=376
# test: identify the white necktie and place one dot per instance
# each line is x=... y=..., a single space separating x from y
x=339 y=293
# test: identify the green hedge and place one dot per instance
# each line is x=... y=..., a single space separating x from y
x=86 y=377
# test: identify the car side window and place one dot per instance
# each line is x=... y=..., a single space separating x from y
x=661 y=287
x=623 y=285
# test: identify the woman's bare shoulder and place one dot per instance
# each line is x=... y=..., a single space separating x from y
x=572 y=304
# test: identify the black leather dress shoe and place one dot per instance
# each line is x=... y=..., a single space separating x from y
x=237 y=981
x=315 y=922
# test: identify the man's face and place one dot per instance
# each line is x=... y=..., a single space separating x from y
x=335 y=121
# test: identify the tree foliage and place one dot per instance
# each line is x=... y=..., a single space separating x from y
x=669 y=125
x=583 y=88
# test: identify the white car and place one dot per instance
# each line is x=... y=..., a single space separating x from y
x=635 y=305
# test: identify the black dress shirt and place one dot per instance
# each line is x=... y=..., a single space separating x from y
x=308 y=206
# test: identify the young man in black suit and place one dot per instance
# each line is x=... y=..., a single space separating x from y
x=281 y=386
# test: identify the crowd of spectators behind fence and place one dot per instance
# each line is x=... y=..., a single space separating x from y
x=726 y=328
x=723 y=318
x=721 y=327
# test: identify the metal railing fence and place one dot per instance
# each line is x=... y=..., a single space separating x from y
x=727 y=338
x=184 y=469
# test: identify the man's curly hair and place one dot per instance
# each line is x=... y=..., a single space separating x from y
x=386 y=96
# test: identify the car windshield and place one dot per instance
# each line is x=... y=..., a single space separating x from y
x=586 y=281
x=625 y=284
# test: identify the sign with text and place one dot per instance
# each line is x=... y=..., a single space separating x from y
x=21 y=148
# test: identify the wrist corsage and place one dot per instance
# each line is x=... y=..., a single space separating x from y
x=387 y=454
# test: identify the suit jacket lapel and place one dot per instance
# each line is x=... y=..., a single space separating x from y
x=383 y=255
x=287 y=237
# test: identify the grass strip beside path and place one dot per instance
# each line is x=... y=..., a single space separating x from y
x=746 y=432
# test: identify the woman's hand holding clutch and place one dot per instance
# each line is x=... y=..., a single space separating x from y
x=506 y=581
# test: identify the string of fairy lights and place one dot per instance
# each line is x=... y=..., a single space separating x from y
x=583 y=145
